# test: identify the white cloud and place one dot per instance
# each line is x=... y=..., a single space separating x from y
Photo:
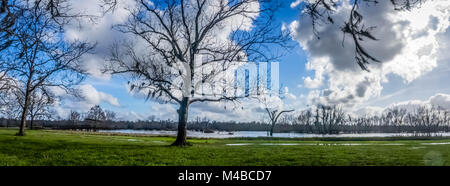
x=98 y=31
x=369 y=111
x=93 y=97
x=283 y=26
x=89 y=96
x=441 y=100
x=295 y=3
x=438 y=100
x=407 y=45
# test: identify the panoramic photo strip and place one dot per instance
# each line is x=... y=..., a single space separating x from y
x=224 y=91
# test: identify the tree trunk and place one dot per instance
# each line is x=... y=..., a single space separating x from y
x=31 y=123
x=23 y=120
x=271 y=129
x=182 y=123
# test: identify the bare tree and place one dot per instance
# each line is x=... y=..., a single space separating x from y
x=183 y=48
x=8 y=14
x=9 y=105
x=273 y=107
x=328 y=118
x=396 y=116
x=96 y=113
x=96 y=116
x=6 y=87
x=40 y=107
x=274 y=116
x=40 y=56
x=74 y=117
x=321 y=11
x=430 y=118
x=305 y=118
x=110 y=115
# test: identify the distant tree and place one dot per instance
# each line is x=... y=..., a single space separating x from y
x=328 y=118
x=322 y=11
x=151 y=118
x=96 y=113
x=305 y=118
x=430 y=118
x=110 y=115
x=74 y=117
x=41 y=57
x=396 y=116
x=273 y=107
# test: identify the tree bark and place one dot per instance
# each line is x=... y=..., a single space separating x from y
x=31 y=123
x=271 y=129
x=23 y=120
x=182 y=123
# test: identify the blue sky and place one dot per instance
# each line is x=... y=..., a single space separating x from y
x=415 y=69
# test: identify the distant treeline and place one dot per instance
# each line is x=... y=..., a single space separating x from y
x=321 y=120
x=139 y=125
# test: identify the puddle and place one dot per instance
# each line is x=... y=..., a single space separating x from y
x=239 y=144
x=158 y=142
x=132 y=140
x=445 y=143
x=287 y=144
x=415 y=148
x=315 y=144
x=350 y=144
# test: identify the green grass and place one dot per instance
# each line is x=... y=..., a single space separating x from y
x=64 y=148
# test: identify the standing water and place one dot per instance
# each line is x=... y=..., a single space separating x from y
x=237 y=134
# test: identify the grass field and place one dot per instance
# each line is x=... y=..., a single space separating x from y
x=61 y=148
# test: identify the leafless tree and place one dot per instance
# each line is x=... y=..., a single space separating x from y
x=9 y=105
x=183 y=37
x=8 y=14
x=274 y=116
x=430 y=118
x=6 y=90
x=74 y=117
x=96 y=113
x=110 y=115
x=305 y=118
x=328 y=118
x=40 y=107
x=321 y=11
x=273 y=109
x=40 y=57
x=95 y=116
x=395 y=116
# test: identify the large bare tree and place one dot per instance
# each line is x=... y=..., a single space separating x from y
x=193 y=45
x=40 y=56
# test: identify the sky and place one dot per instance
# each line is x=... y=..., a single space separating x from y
x=412 y=47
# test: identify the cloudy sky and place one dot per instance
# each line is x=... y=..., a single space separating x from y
x=412 y=47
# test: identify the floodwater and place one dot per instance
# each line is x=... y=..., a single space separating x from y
x=236 y=134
